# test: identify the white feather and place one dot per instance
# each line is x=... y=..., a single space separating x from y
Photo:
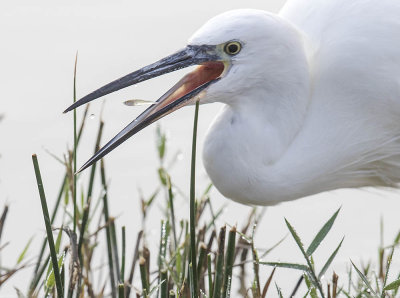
x=312 y=100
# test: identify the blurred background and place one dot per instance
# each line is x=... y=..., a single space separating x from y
x=38 y=45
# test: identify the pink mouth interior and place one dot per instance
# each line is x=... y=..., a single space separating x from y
x=204 y=73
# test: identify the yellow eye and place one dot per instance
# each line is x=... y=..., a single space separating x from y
x=232 y=48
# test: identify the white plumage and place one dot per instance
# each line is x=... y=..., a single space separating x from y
x=312 y=100
x=320 y=107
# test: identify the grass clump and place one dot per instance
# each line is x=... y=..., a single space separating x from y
x=195 y=258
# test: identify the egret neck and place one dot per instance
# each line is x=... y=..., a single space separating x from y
x=251 y=134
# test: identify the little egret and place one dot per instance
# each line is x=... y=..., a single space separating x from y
x=312 y=98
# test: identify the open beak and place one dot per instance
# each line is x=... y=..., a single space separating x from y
x=186 y=91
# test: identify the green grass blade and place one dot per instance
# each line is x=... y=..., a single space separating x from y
x=278 y=289
x=287 y=265
x=393 y=285
x=134 y=259
x=115 y=248
x=37 y=277
x=191 y=282
x=143 y=276
x=53 y=216
x=388 y=264
x=230 y=259
x=122 y=274
x=306 y=256
x=107 y=229
x=85 y=216
x=21 y=256
x=75 y=144
x=219 y=272
x=329 y=261
x=163 y=247
x=171 y=207
x=63 y=187
x=47 y=222
x=51 y=277
x=165 y=229
x=161 y=139
x=322 y=234
x=164 y=284
x=121 y=291
x=192 y=204
x=364 y=279
x=210 y=276
x=3 y=219
x=297 y=239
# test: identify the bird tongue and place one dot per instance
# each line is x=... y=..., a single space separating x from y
x=204 y=73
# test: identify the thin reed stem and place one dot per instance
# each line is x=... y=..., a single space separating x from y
x=230 y=259
x=192 y=204
x=49 y=231
x=219 y=274
x=122 y=274
x=107 y=229
x=75 y=143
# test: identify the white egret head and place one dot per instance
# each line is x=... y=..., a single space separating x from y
x=259 y=51
x=237 y=52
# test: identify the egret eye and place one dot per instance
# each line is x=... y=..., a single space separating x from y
x=232 y=48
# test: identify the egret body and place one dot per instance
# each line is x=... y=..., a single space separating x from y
x=312 y=98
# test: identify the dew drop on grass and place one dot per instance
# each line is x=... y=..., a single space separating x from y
x=174 y=190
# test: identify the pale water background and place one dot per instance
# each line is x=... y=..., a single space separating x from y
x=37 y=50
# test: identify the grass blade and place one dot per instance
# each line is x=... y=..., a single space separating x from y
x=219 y=274
x=75 y=144
x=192 y=204
x=329 y=261
x=297 y=239
x=23 y=253
x=49 y=231
x=85 y=216
x=121 y=291
x=388 y=263
x=122 y=274
x=296 y=287
x=266 y=286
x=3 y=219
x=36 y=271
x=310 y=266
x=107 y=229
x=278 y=289
x=143 y=276
x=115 y=247
x=393 y=285
x=202 y=259
x=133 y=266
x=230 y=259
x=287 y=265
x=322 y=234
x=209 y=273
x=164 y=284
x=171 y=207
x=364 y=279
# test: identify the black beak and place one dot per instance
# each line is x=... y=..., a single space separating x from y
x=185 y=91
